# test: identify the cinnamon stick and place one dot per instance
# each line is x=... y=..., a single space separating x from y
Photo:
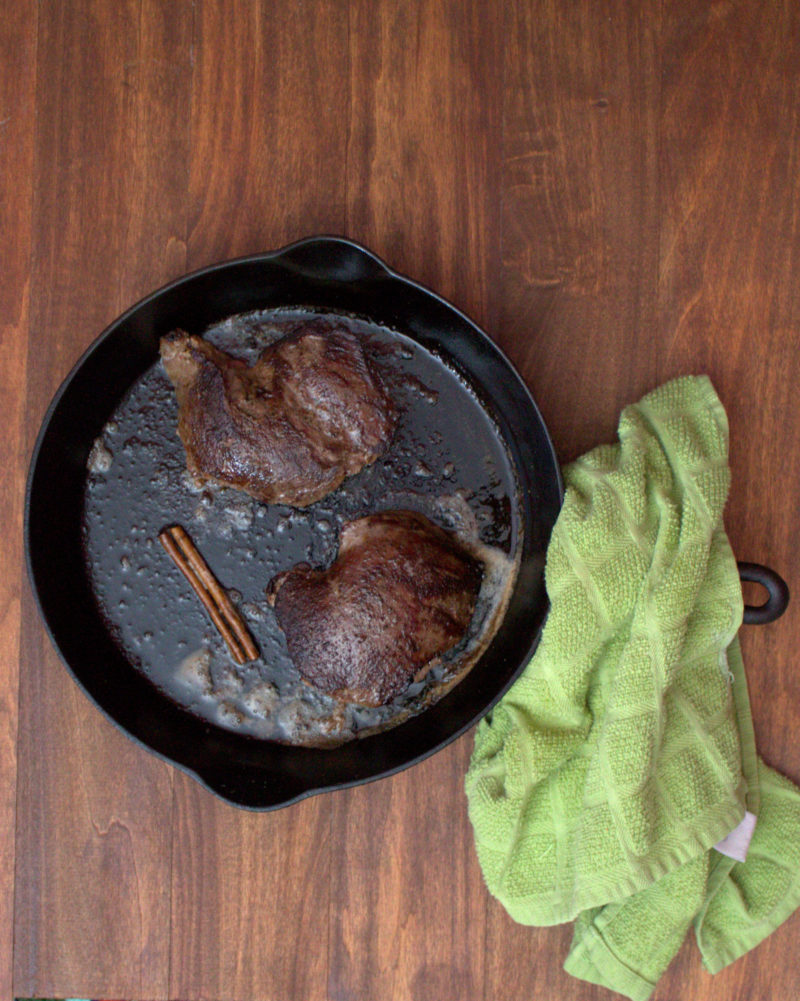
x=184 y=554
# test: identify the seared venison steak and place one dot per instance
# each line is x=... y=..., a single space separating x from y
x=287 y=429
x=400 y=593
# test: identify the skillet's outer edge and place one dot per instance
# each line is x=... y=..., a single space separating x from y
x=377 y=268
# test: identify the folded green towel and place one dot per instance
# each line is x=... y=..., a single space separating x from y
x=603 y=779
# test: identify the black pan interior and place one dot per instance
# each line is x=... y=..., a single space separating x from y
x=445 y=460
x=326 y=274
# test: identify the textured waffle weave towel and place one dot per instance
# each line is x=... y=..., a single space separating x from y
x=625 y=751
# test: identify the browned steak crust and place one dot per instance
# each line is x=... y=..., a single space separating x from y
x=401 y=592
x=287 y=429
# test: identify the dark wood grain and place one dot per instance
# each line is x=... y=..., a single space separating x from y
x=425 y=129
x=269 y=125
x=269 y=137
x=580 y=243
x=94 y=810
x=254 y=890
x=610 y=188
x=17 y=118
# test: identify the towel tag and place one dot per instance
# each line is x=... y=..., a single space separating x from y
x=735 y=844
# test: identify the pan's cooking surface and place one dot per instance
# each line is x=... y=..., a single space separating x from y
x=446 y=460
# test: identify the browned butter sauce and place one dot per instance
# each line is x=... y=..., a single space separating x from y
x=446 y=460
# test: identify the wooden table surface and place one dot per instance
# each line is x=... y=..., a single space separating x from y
x=609 y=188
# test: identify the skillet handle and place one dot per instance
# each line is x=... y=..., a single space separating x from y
x=777 y=591
x=333 y=258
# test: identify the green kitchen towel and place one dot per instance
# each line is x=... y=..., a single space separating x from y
x=600 y=783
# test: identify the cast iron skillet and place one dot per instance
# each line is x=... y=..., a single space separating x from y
x=332 y=274
x=328 y=274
